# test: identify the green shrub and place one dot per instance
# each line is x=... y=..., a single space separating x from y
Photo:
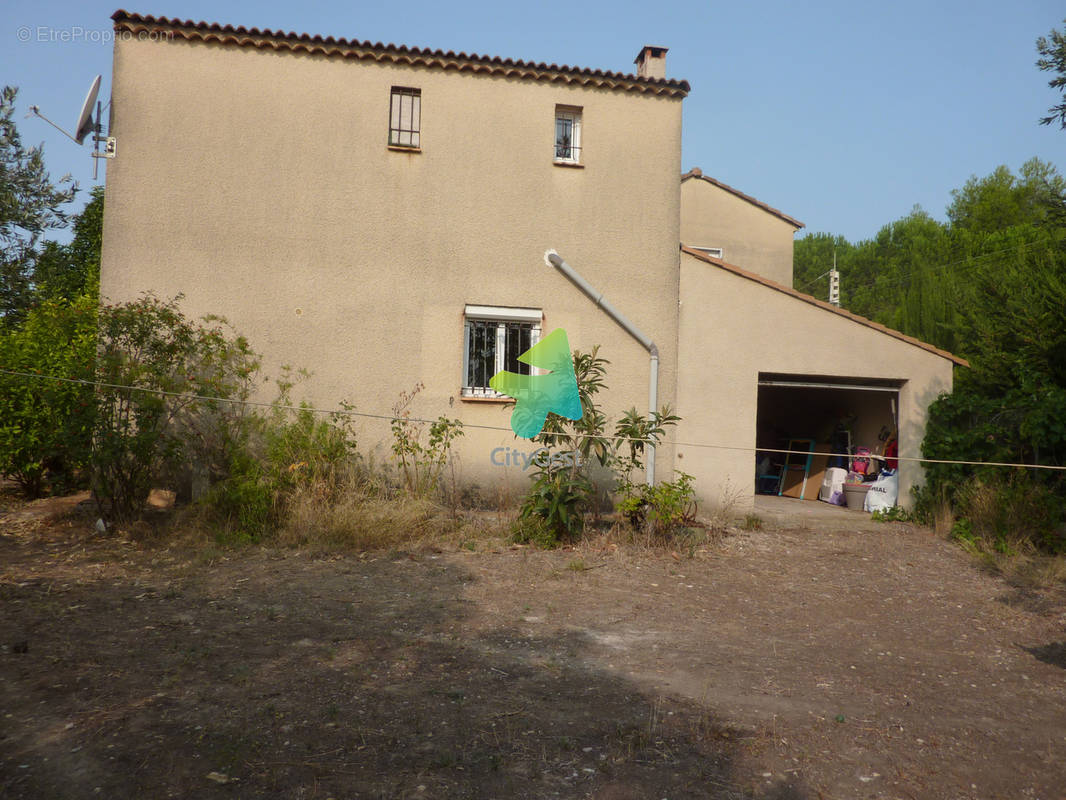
x=668 y=508
x=893 y=514
x=279 y=455
x=563 y=491
x=46 y=425
x=152 y=427
x=534 y=530
x=1010 y=513
x=243 y=504
x=557 y=499
x=421 y=464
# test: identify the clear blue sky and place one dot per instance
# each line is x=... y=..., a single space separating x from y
x=841 y=114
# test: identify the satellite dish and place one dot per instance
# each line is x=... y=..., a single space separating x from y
x=85 y=124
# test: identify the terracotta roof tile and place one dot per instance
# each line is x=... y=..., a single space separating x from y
x=806 y=298
x=696 y=172
x=240 y=36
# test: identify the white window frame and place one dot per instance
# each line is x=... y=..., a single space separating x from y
x=413 y=130
x=573 y=115
x=502 y=316
x=713 y=252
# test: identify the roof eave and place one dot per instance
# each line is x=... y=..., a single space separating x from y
x=696 y=172
x=240 y=36
x=806 y=298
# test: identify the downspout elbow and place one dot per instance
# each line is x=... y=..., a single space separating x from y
x=553 y=259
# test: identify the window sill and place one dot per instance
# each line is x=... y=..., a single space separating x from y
x=478 y=398
x=400 y=148
x=570 y=164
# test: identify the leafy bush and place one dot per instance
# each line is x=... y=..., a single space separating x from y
x=1010 y=514
x=563 y=491
x=46 y=425
x=557 y=499
x=280 y=455
x=151 y=422
x=421 y=465
x=666 y=508
x=893 y=514
x=532 y=529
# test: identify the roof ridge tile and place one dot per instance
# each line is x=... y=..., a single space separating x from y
x=210 y=31
x=696 y=172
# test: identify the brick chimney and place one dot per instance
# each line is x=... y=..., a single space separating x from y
x=651 y=63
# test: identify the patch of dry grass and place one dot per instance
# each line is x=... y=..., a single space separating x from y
x=999 y=537
x=361 y=516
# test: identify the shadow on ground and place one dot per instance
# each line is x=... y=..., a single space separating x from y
x=293 y=677
x=1053 y=653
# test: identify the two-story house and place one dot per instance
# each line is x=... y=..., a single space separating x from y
x=379 y=214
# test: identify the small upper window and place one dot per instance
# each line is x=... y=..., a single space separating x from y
x=405 y=117
x=568 y=134
x=713 y=252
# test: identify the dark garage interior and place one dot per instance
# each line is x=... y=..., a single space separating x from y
x=826 y=416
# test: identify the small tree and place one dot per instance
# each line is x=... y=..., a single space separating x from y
x=157 y=366
x=46 y=424
x=1052 y=50
x=30 y=204
x=563 y=489
x=71 y=270
x=421 y=464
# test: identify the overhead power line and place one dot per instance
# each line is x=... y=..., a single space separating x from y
x=969 y=261
x=393 y=417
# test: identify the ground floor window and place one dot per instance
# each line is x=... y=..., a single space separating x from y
x=493 y=339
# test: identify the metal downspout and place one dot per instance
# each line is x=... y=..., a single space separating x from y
x=553 y=259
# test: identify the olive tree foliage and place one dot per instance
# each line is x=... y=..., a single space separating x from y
x=171 y=401
x=1052 y=50
x=30 y=204
x=69 y=271
x=47 y=405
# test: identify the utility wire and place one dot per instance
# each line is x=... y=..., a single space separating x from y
x=812 y=282
x=897 y=279
x=395 y=417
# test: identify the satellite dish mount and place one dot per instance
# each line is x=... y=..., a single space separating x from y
x=87 y=124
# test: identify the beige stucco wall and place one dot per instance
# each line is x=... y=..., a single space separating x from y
x=732 y=328
x=259 y=184
x=749 y=236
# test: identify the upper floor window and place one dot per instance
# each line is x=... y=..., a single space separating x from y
x=568 y=134
x=405 y=117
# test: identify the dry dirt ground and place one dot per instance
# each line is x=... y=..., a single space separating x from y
x=870 y=662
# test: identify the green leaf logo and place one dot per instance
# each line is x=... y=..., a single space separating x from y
x=536 y=395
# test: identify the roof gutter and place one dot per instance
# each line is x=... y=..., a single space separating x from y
x=553 y=259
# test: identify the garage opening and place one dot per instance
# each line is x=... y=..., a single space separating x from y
x=825 y=418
